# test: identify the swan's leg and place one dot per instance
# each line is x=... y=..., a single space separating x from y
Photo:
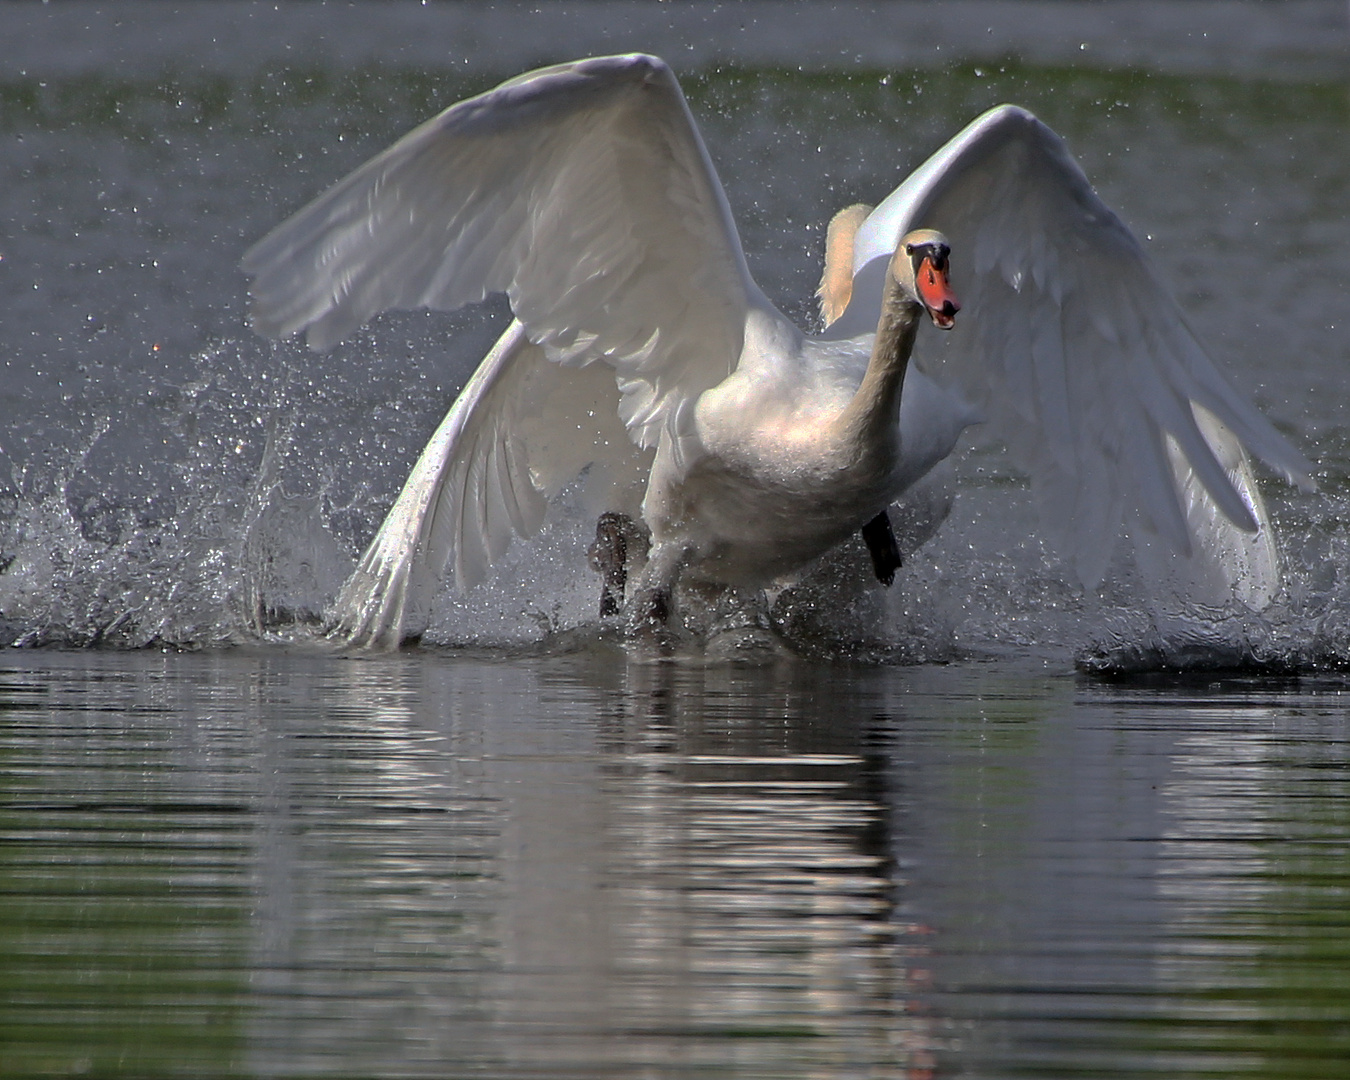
x=609 y=556
x=653 y=598
x=881 y=544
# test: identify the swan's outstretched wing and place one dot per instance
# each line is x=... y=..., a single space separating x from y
x=582 y=191
x=520 y=429
x=1078 y=353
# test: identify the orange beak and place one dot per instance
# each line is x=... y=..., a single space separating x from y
x=935 y=290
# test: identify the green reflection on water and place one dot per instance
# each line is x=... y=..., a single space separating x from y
x=124 y=909
x=1290 y=979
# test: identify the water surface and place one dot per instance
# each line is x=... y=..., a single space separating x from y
x=275 y=864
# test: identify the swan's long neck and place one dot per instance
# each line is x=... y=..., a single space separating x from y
x=871 y=420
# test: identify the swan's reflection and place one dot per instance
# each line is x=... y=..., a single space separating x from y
x=757 y=872
x=591 y=868
x=430 y=865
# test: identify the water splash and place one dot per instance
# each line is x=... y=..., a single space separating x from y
x=246 y=525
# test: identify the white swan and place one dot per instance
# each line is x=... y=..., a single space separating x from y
x=642 y=349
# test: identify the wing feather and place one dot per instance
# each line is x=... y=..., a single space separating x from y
x=521 y=429
x=1078 y=352
x=582 y=191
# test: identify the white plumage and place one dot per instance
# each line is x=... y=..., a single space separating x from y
x=642 y=348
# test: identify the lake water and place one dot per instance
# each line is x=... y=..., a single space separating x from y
x=982 y=825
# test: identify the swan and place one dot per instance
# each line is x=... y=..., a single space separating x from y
x=643 y=357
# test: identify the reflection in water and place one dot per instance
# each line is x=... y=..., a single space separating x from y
x=595 y=866
x=124 y=877
x=581 y=867
x=377 y=849
x=1257 y=815
x=757 y=882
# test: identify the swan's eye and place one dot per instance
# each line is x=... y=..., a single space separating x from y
x=934 y=252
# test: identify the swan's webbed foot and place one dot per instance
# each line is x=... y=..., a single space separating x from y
x=880 y=540
x=609 y=556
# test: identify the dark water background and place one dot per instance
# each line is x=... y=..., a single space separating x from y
x=526 y=851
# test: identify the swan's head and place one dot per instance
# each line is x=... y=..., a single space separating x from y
x=920 y=268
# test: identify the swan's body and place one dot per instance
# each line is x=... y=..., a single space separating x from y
x=642 y=349
x=780 y=475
